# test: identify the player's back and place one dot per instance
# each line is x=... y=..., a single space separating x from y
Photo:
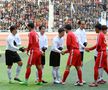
x=34 y=40
x=72 y=39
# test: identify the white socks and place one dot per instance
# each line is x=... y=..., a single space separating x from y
x=100 y=70
x=58 y=73
x=55 y=73
x=9 y=71
x=18 y=69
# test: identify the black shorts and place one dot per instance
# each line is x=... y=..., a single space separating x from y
x=54 y=59
x=82 y=56
x=11 y=57
x=43 y=59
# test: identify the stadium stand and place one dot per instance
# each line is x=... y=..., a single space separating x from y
x=22 y=11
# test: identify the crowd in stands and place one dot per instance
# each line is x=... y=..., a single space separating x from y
x=65 y=11
x=22 y=11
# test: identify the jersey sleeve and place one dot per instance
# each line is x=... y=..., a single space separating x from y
x=92 y=48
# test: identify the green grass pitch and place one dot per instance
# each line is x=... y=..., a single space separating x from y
x=87 y=75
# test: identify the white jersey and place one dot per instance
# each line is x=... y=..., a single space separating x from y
x=43 y=41
x=10 y=43
x=81 y=35
x=17 y=39
x=57 y=42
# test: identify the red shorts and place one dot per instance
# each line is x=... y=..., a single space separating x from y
x=74 y=58
x=101 y=60
x=34 y=58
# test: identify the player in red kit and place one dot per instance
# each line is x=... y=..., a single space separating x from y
x=74 y=58
x=35 y=54
x=101 y=46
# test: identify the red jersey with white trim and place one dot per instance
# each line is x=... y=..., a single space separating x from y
x=33 y=41
x=71 y=42
x=101 y=44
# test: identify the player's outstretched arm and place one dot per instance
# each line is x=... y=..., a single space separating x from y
x=87 y=49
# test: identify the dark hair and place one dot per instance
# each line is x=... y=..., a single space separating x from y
x=60 y=30
x=68 y=27
x=98 y=26
x=79 y=22
x=31 y=25
x=104 y=27
x=13 y=27
x=42 y=26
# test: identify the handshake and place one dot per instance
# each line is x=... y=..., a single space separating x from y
x=22 y=49
x=62 y=52
x=87 y=49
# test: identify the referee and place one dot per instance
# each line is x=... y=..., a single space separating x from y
x=11 y=55
x=43 y=43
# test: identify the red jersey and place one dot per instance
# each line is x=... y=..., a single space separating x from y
x=101 y=44
x=33 y=41
x=71 y=42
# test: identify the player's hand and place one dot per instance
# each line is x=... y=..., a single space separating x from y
x=43 y=53
x=63 y=53
x=87 y=50
x=22 y=49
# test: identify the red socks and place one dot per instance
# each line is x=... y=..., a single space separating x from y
x=40 y=75
x=79 y=73
x=28 y=71
x=66 y=73
x=96 y=73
